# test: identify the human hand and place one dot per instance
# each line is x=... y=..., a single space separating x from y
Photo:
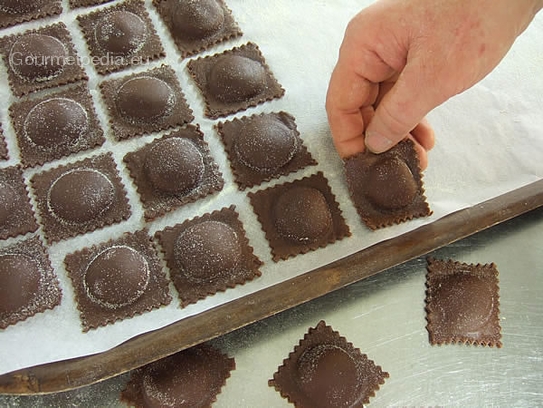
x=401 y=58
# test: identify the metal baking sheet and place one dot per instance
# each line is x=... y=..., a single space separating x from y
x=299 y=41
x=384 y=316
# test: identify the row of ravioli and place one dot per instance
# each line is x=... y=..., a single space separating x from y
x=123 y=277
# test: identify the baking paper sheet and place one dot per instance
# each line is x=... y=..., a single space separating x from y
x=489 y=141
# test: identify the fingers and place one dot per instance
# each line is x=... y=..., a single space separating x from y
x=424 y=135
x=348 y=96
x=401 y=109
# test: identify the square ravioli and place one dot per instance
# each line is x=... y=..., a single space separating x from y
x=80 y=197
x=325 y=370
x=190 y=378
x=299 y=217
x=40 y=59
x=117 y=280
x=234 y=80
x=173 y=171
x=55 y=126
x=197 y=25
x=16 y=213
x=3 y=147
x=462 y=303
x=28 y=284
x=145 y=102
x=208 y=254
x=13 y=12
x=120 y=36
x=387 y=188
x=262 y=147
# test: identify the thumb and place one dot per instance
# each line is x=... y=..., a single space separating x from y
x=400 y=110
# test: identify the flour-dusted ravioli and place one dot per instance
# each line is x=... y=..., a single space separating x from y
x=462 y=303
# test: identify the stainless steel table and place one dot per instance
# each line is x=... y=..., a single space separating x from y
x=384 y=316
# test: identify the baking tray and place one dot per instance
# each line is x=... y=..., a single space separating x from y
x=148 y=347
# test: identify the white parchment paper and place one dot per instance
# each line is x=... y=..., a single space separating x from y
x=489 y=141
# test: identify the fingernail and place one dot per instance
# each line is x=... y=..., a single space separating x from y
x=377 y=143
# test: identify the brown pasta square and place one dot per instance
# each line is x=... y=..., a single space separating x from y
x=299 y=217
x=145 y=102
x=40 y=59
x=3 y=147
x=28 y=284
x=462 y=303
x=120 y=36
x=208 y=254
x=174 y=170
x=387 y=188
x=57 y=125
x=234 y=80
x=16 y=213
x=190 y=378
x=117 y=280
x=263 y=147
x=80 y=197
x=325 y=370
x=13 y=12
x=87 y=3
x=197 y=26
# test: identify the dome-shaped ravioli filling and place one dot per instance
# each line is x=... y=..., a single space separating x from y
x=145 y=99
x=390 y=184
x=37 y=57
x=56 y=122
x=207 y=250
x=19 y=282
x=451 y=304
x=302 y=215
x=265 y=144
x=234 y=78
x=329 y=376
x=80 y=195
x=197 y=19
x=117 y=277
x=121 y=33
x=174 y=165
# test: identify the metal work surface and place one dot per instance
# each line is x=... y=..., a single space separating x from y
x=384 y=316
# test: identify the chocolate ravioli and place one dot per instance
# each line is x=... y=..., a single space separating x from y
x=324 y=370
x=208 y=254
x=117 y=280
x=191 y=378
x=387 y=188
x=145 y=102
x=55 y=126
x=28 y=284
x=120 y=36
x=86 y=3
x=262 y=147
x=197 y=25
x=462 y=303
x=3 y=148
x=40 y=59
x=13 y=12
x=174 y=170
x=299 y=217
x=234 y=80
x=16 y=214
x=80 y=197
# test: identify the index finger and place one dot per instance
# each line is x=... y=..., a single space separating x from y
x=348 y=93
